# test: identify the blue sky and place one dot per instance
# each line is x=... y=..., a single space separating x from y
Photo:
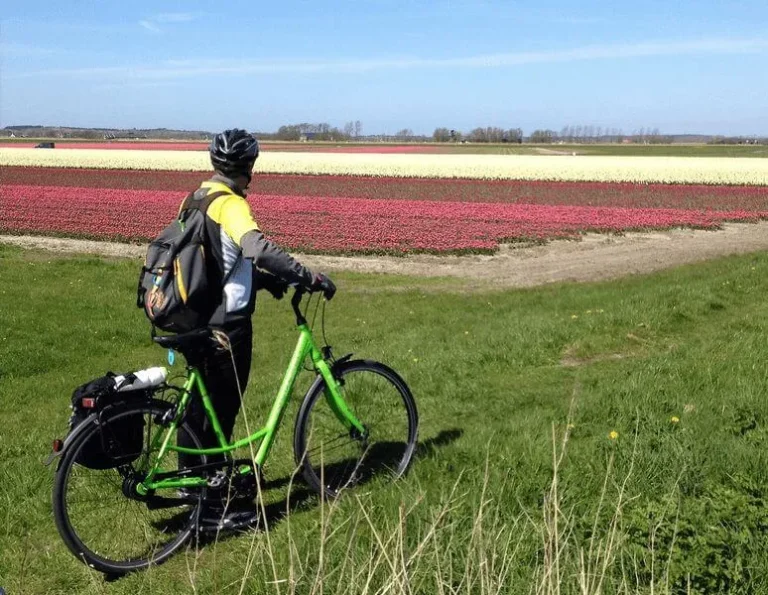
x=680 y=66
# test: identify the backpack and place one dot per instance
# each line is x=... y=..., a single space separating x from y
x=178 y=287
x=118 y=442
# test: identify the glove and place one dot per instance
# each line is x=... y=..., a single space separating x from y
x=324 y=284
x=274 y=285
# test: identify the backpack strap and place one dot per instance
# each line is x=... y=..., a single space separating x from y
x=200 y=204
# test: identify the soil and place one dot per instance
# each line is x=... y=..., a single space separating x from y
x=594 y=257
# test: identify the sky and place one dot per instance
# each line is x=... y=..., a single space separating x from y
x=680 y=66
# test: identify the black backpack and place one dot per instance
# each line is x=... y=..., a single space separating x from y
x=179 y=285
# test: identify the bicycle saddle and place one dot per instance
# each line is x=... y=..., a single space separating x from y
x=185 y=342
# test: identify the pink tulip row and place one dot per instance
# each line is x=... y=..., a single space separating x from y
x=338 y=225
x=602 y=194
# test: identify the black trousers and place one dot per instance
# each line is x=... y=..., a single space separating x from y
x=221 y=380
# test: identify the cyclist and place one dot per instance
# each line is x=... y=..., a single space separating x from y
x=247 y=262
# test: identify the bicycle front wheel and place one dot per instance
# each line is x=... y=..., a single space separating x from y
x=98 y=513
x=333 y=457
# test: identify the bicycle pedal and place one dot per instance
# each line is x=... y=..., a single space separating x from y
x=214 y=521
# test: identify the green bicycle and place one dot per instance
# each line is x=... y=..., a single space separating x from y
x=358 y=420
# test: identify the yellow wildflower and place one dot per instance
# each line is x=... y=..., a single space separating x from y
x=613 y=435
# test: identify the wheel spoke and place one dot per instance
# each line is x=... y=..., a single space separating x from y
x=112 y=531
x=389 y=416
x=325 y=444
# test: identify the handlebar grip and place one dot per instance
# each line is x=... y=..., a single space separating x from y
x=296 y=302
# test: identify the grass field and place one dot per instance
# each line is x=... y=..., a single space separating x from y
x=652 y=390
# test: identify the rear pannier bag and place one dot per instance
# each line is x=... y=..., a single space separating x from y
x=176 y=290
x=120 y=441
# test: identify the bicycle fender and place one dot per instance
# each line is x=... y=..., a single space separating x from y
x=71 y=437
x=79 y=429
x=341 y=361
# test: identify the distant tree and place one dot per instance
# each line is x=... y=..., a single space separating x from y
x=542 y=136
x=477 y=135
x=405 y=133
x=442 y=135
x=496 y=134
x=349 y=129
x=655 y=137
x=514 y=135
x=321 y=131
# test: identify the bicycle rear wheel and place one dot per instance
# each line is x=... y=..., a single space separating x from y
x=333 y=457
x=97 y=511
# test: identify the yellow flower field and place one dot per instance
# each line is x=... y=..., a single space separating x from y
x=685 y=170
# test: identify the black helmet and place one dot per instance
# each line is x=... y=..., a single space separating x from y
x=233 y=152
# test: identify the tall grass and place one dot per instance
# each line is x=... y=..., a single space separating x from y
x=575 y=439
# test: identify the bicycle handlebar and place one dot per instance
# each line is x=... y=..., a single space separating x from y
x=296 y=302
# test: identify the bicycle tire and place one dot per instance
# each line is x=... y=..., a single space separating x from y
x=390 y=443
x=119 y=531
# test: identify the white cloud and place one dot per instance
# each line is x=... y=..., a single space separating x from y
x=150 y=26
x=133 y=84
x=174 y=17
x=153 y=22
x=171 y=69
x=580 y=20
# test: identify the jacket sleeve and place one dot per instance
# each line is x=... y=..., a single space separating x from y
x=269 y=257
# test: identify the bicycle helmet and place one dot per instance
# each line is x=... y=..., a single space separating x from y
x=233 y=152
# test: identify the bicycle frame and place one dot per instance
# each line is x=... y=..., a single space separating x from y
x=305 y=347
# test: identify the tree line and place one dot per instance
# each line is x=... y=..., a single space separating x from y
x=568 y=134
x=353 y=131
x=310 y=131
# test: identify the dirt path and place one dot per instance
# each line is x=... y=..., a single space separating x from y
x=595 y=257
x=541 y=151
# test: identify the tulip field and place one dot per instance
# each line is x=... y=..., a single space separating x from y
x=381 y=203
x=563 y=168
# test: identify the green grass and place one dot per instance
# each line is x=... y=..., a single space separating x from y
x=488 y=506
x=628 y=150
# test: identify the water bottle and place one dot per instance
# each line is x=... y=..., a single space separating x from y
x=144 y=379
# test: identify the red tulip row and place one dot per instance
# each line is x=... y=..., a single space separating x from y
x=607 y=194
x=331 y=224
